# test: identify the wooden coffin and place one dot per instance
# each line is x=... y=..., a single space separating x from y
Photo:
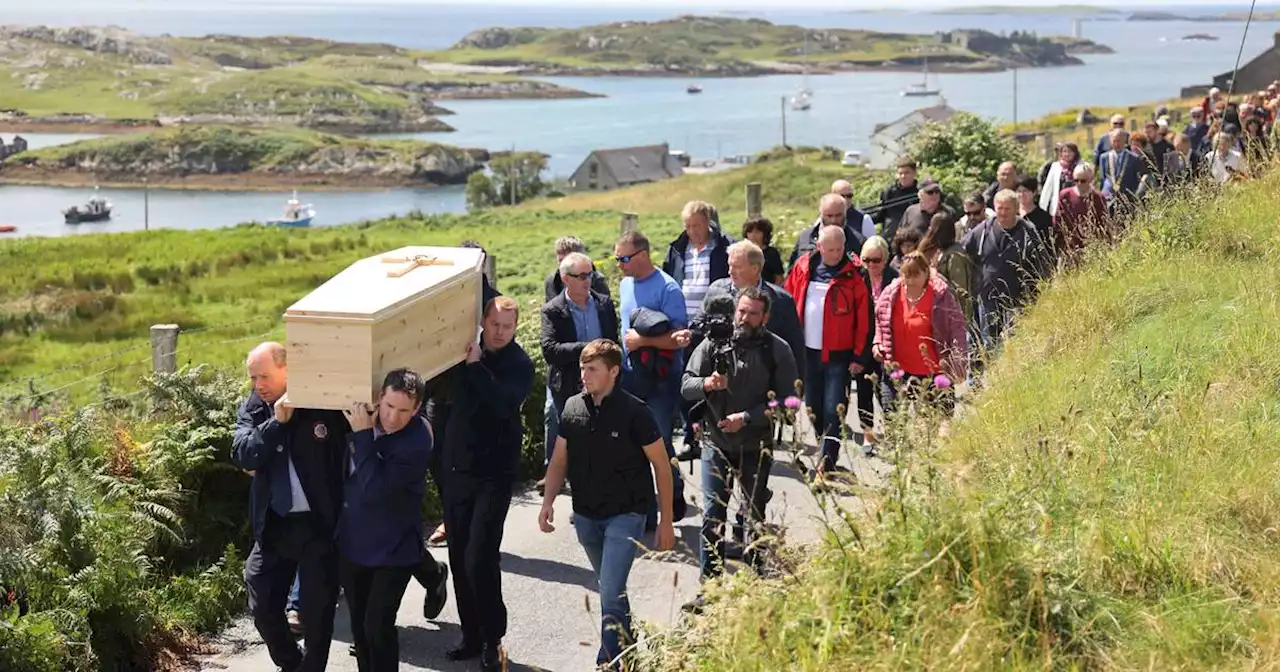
x=415 y=307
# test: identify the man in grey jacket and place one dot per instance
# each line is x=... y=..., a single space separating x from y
x=731 y=379
x=746 y=269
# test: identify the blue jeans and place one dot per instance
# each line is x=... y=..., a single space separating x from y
x=826 y=387
x=718 y=468
x=292 y=604
x=610 y=544
x=551 y=420
x=664 y=406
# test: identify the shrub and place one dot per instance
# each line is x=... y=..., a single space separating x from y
x=963 y=153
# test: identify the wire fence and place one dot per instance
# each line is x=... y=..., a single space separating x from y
x=30 y=388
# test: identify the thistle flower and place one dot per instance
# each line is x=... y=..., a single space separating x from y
x=897 y=374
x=792 y=402
x=773 y=403
x=941 y=381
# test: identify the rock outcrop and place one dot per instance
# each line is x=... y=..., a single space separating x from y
x=108 y=40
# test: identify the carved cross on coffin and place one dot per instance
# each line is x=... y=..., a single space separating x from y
x=413 y=262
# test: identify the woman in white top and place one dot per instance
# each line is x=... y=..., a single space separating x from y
x=1224 y=162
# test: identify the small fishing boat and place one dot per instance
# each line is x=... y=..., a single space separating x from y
x=8 y=228
x=96 y=210
x=295 y=213
x=693 y=88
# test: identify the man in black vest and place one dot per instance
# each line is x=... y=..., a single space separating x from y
x=611 y=450
x=295 y=455
x=480 y=461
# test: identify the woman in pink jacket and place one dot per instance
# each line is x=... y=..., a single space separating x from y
x=920 y=337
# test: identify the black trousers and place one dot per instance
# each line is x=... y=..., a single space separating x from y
x=868 y=383
x=293 y=545
x=373 y=597
x=475 y=511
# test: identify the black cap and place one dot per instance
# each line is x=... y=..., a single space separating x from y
x=930 y=186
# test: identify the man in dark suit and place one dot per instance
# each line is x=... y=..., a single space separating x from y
x=296 y=456
x=746 y=263
x=380 y=531
x=480 y=462
x=1120 y=172
x=571 y=320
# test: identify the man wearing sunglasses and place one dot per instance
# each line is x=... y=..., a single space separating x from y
x=645 y=287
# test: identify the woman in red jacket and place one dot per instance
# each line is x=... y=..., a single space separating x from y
x=833 y=299
x=920 y=337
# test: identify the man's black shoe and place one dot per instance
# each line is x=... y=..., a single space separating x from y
x=465 y=651
x=491 y=657
x=695 y=606
x=437 y=595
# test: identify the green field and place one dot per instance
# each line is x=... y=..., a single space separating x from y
x=222 y=75
x=1108 y=502
x=710 y=45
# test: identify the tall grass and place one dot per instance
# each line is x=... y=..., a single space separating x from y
x=1109 y=501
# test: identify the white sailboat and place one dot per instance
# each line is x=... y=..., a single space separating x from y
x=922 y=89
x=801 y=101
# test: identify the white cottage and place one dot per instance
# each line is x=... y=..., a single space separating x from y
x=888 y=142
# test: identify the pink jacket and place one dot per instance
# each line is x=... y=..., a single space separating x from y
x=948 y=326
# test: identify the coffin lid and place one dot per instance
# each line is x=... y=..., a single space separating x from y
x=365 y=291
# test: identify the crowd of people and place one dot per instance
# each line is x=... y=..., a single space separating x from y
x=711 y=335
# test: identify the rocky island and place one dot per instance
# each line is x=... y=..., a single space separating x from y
x=727 y=46
x=111 y=79
x=223 y=157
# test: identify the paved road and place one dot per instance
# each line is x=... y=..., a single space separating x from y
x=550 y=590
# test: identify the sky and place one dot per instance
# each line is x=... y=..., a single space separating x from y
x=682 y=5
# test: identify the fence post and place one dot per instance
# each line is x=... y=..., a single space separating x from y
x=630 y=222
x=491 y=270
x=1089 y=142
x=1048 y=146
x=755 y=200
x=164 y=348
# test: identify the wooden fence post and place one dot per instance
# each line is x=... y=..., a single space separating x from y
x=491 y=269
x=755 y=200
x=1048 y=146
x=164 y=348
x=630 y=222
x=1089 y=142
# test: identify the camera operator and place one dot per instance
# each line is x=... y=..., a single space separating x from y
x=731 y=374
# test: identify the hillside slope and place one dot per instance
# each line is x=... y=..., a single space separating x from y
x=1110 y=502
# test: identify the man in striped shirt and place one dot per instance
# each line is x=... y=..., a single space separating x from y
x=697 y=258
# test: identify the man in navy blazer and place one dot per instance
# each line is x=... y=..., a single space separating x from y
x=1120 y=172
x=380 y=531
x=295 y=455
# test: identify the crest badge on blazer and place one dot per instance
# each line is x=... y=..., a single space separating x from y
x=320 y=431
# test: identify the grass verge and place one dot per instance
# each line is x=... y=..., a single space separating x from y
x=1108 y=502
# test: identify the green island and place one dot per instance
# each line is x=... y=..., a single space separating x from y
x=726 y=46
x=1226 y=17
x=110 y=79
x=231 y=157
x=1105 y=501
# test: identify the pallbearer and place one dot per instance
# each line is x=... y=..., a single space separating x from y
x=296 y=456
x=481 y=454
x=380 y=532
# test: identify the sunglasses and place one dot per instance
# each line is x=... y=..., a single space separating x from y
x=578 y=276
x=975 y=213
x=626 y=258
x=873 y=260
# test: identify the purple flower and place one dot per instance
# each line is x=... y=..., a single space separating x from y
x=941 y=381
x=897 y=374
x=793 y=402
x=773 y=403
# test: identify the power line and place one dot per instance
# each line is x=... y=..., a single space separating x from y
x=1235 y=72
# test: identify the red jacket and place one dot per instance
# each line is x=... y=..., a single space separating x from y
x=846 y=322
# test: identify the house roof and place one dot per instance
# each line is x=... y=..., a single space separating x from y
x=937 y=113
x=629 y=165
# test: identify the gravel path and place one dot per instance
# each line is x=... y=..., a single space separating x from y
x=550 y=590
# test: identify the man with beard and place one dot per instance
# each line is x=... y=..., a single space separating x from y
x=732 y=379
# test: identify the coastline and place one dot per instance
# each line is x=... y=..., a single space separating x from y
x=249 y=181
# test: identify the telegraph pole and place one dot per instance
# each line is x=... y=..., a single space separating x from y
x=1015 y=96
x=784 y=121
x=146 y=205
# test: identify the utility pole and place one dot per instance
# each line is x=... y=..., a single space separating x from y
x=511 y=174
x=146 y=205
x=784 y=121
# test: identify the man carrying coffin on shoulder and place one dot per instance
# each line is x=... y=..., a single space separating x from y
x=296 y=457
x=479 y=462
